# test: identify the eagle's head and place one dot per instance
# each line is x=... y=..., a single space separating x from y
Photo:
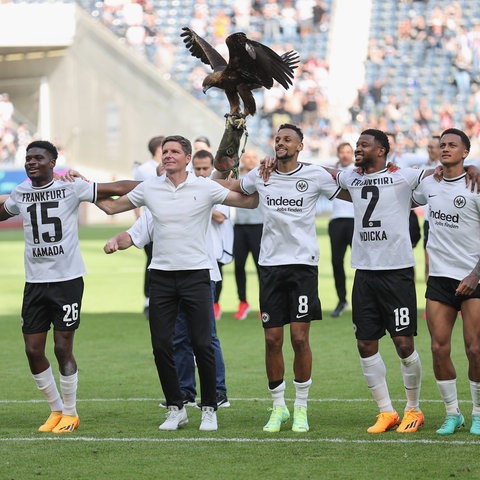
x=212 y=80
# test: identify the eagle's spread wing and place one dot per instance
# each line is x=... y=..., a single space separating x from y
x=203 y=50
x=258 y=65
x=251 y=65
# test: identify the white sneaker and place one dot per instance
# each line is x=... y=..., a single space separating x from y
x=175 y=418
x=209 y=420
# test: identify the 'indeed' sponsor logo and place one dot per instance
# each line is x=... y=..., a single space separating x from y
x=446 y=217
x=284 y=202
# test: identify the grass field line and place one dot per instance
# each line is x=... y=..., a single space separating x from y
x=231 y=399
x=238 y=440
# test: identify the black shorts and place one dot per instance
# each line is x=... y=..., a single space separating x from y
x=384 y=300
x=289 y=293
x=442 y=289
x=46 y=303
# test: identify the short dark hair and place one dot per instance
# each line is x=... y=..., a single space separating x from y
x=202 y=154
x=46 y=145
x=462 y=135
x=342 y=145
x=291 y=127
x=154 y=143
x=184 y=142
x=380 y=137
x=204 y=140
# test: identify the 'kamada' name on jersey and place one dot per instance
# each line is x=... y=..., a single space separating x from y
x=43 y=196
x=50 y=251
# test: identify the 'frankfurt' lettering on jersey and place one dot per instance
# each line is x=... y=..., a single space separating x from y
x=288 y=202
x=50 y=223
x=382 y=201
x=454 y=235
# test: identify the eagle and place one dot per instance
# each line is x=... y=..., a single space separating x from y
x=251 y=65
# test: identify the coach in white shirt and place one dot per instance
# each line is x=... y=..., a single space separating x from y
x=181 y=205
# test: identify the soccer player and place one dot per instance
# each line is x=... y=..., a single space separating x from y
x=181 y=206
x=288 y=267
x=383 y=296
x=54 y=272
x=453 y=282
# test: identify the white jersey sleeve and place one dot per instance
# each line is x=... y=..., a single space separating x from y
x=50 y=222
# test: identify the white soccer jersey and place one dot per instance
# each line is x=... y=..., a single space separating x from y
x=288 y=202
x=454 y=235
x=382 y=201
x=342 y=208
x=181 y=216
x=50 y=224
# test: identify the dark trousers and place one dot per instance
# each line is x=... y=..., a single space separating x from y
x=246 y=239
x=340 y=231
x=192 y=289
x=146 y=282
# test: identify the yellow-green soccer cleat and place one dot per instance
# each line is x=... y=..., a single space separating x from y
x=300 y=421
x=278 y=416
x=51 y=422
x=67 y=424
x=411 y=422
x=385 y=421
x=450 y=424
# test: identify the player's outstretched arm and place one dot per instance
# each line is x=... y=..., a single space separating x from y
x=115 y=189
x=236 y=199
x=111 y=206
x=4 y=215
x=230 y=183
x=121 y=241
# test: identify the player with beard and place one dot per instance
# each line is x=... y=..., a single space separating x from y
x=288 y=267
x=383 y=296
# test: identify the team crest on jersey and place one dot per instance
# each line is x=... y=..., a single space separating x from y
x=265 y=317
x=459 y=201
x=302 y=186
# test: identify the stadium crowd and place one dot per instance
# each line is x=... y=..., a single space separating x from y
x=422 y=71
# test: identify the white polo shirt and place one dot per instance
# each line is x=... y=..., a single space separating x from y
x=181 y=216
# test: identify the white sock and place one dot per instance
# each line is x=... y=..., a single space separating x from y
x=46 y=383
x=412 y=379
x=475 y=391
x=375 y=374
x=448 y=392
x=68 y=386
x=278 y=395
x=301 y=393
